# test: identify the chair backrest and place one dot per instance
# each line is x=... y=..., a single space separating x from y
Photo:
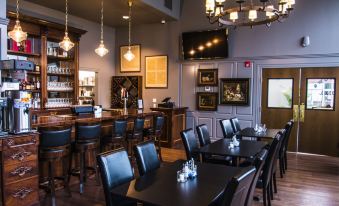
x=147 y=157
x=270 y=159
x=87 y=131
x=119 y=128
x=159 y=124
x=203 y=135
x=288 y=127
x=226 y=127
x=235 y=124
x=55 y=136
x=138 y=127
x=190 y=144
x=236 y=190
x=115 y=169
x=259 y=162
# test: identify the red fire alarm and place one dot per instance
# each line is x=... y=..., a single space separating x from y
x=247 y=64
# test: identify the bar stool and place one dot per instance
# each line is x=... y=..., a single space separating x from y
x=87 y=139
x=154 y=133
x=136 y=135
x=55 y=146
x=118 y=138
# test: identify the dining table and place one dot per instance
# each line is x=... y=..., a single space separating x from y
x=269 y=134
x=160 y=187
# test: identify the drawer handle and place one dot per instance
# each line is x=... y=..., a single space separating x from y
x=20 y=155
x=22 y=193
x=21 y=171
x=11 y=143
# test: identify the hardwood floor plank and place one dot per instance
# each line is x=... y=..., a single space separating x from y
x=310 y=180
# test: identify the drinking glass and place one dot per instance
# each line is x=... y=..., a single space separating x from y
x=181 y=176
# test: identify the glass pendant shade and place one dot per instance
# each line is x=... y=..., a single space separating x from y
x=234 y=16
x=17 y=34
x=210 y=4
x=129 y=56
x=252 y=15
x=101 y=50
x=66 y=43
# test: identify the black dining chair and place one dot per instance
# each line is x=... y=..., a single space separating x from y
x=191 y=145
x=154 y=133
x=264 y=181
x=288 y=127
x=235 y=124
x=204 y=139
x=236 y=191
x=118 y=137
x=276 y=158
x=146 y=157
x=282 y=149
x=136 y=135
x=226 y=128
x=258 y=163
x=116 y=170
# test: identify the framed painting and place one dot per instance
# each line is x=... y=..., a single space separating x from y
x=207 y=77
x=135 y=64
x=207 y=101
x=156 y=71
x=234 y=91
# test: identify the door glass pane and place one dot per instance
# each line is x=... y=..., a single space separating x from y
x=320 y=94
x=280 y=93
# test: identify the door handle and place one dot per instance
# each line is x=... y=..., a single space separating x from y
x=295 y=113
x=302 y=112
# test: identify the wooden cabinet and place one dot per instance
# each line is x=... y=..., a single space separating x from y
x=175 y=122
x=19 y=170
x=55 y=66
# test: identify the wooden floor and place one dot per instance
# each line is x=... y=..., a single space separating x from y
x=309 y=181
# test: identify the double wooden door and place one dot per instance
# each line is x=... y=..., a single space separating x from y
x=308 y=96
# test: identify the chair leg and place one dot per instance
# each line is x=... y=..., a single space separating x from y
x=264 y=194
x=275 y=183
x=96 y=168
x=285 y=159
x=270 y=190
x=51 y=181
x=268 y=199
x=66 y=175
x=281 y=167
x=82 y=168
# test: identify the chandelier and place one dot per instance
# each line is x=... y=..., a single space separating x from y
x=101 y=50
x=247 y=13
x=129 y=56
x=66 y=44
x=17 y=34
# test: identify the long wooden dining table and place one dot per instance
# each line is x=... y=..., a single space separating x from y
x=160 y=187
x=269 y=134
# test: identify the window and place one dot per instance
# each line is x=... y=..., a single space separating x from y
x=280 y=93
x=320 y=94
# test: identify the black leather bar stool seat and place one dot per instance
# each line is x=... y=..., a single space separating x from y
x=154 y=133
x=118 y=137
x=55 y=146
x=87 y=139
x=136 y=135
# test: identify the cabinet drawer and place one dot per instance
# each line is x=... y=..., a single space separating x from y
x=21 y=141
x=22 y=193
x=20 y=171
x=20 y=155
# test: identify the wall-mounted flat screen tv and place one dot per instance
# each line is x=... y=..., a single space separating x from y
x=212 y=44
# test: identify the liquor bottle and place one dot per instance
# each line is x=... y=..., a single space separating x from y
x=33 y=84
x=28 y=85
x=38 y=84
x=21 y=86
x=37 y=68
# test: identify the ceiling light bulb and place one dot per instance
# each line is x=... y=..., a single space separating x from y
x=215 y=41
x=269 y=10
x=282 y=8
x=192 y=52
x=252 y=15
x=209 y=44
x=290 y=3
x=129 y=56
x=220 y=1
x=201 y=47
x=125 y=17
x=17 y=34
x=234 y=16
x=219 y=10
x=101 y=50
x=66 y=43
x=210 y=4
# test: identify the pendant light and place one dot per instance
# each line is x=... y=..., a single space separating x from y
x=17 y=34
x=129 y=56
x=101 y=50
x=66 y=43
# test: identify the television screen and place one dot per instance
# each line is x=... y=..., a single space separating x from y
x=205 y=45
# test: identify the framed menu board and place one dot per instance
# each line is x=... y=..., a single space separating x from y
x=156 y=71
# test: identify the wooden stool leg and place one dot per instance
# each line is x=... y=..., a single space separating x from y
x=96 y=168
x=66 y=169
x=51 y=181
x=82 y=168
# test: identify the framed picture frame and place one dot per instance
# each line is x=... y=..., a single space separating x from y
x=234 y=91
x=207 y=101
x=135 y=64
x=207 y=77
x=156 y=71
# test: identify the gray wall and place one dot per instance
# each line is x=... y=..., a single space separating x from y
x=277 y=46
